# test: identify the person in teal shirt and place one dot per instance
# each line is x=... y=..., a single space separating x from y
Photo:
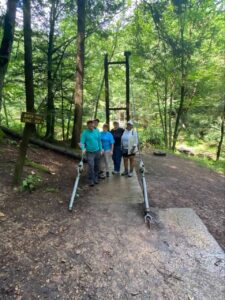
x=107 y=146
x=91 y=147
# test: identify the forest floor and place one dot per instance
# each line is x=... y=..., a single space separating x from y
x=177 y=182
x=36 y=228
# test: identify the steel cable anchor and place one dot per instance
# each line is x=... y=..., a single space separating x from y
x=148 y=217
x=80 y=169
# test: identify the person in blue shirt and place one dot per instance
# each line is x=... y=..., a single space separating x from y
x=91 y=146
x=107 y=147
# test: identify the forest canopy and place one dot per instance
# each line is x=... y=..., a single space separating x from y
x=177 y=68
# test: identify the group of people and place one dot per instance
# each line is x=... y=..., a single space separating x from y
x=100 y=147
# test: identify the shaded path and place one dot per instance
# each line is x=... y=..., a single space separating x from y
x=102 y=250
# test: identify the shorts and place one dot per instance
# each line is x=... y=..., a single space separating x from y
x=125 y=153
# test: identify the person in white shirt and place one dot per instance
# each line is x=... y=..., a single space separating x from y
x=129 y=144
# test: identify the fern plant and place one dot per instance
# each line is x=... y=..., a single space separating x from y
x=30 y=182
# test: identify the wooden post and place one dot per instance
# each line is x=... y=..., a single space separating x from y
x=106 y=66
x=127 y=54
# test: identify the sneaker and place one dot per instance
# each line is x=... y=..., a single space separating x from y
x=130 y=174
x=125 y=173
x=107 y=174
x=102 y=176
x=91 y=184
x=96 y=182
x=115 y=172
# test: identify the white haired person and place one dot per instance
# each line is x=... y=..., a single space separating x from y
x=129 y=144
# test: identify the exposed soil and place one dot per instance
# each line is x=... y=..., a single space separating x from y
x=177 y=182
x=36 y=228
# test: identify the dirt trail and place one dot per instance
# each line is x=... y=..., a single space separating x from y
x=178 y=182
x=102 y=250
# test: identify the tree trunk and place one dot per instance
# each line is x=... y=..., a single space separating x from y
x=62 y=103
x=222 y=132
x=165 y=113
x=78 y=98
x=7 y=41
x=68 y=122
x=29 y=88
x=170 y=120
x=182 y=91
x=160 y=114
x=179 y=114
x=33 y=140
x=50 y=120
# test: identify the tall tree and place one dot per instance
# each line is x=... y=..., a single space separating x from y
x=7 y=42
x=29 y=88
x=78 y=96
x=50 y=120
x=180 y=27
x=180 y=8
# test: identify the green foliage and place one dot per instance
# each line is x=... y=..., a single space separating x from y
x=30 y=183
x=52 y=190
x=37 y=166
x=151 y=30
x=152 y=136
x=12 y=142
x=217 y=166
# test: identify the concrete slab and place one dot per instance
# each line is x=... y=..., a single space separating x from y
x=119 y=189
x=176 y=259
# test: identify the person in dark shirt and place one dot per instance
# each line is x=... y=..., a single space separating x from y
x=117 y=133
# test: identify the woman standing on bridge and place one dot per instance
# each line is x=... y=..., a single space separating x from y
x=129 y=144
x=107 y=147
